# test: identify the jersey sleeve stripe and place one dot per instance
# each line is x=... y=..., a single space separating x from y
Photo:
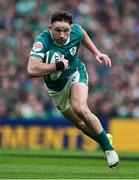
x=37 y=54
x=38 y=57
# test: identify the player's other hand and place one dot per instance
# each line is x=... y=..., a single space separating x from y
x=103 y=58
x=65 y=61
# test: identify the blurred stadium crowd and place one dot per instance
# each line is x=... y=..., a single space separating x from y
x=113 y=25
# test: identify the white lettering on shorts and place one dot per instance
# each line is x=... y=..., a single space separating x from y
x=73 y=79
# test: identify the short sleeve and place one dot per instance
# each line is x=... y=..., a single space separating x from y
x=38 y=50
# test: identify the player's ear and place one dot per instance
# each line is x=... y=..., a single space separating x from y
x=50 y=26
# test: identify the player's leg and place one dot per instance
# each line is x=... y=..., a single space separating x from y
x=63 y=102
x=79 y=95
x=70 y=115
x=79 y=123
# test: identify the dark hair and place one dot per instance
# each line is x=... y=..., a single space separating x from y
x=62 y=16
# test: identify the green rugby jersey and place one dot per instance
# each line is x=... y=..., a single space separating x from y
x=44 y=42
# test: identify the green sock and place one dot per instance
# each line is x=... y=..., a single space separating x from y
x=102 y=139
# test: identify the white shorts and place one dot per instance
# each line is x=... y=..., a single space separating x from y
x=62 y=98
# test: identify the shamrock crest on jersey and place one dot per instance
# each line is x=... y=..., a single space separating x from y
x=73 y=50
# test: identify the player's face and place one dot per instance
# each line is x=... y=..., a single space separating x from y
x=60 y=31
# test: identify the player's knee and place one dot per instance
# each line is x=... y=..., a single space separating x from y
x=81 y=125
x=80 y=111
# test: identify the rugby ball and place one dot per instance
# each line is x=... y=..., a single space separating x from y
x=52 y=57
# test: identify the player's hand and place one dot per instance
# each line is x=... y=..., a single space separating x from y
x=103 y=58
x=65 y=61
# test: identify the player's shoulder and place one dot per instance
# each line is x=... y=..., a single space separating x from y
x=44 y=34
x=44 y=38
x=41 y=43
x=77 y=31
x=77 y=27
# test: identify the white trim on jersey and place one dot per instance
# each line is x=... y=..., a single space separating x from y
x=36 y=53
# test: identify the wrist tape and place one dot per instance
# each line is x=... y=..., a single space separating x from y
x=60 y=66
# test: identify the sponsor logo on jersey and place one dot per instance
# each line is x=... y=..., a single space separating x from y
x=73 y=50
x=38 y=47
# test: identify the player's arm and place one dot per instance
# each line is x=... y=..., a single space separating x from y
x=37 y=68
x=87 y=42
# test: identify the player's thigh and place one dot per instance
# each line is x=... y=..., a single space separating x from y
x=79 y=89
x=78 y=95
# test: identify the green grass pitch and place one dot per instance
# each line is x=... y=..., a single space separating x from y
x=42 y=164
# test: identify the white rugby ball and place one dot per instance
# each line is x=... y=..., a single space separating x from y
x=52 y=57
